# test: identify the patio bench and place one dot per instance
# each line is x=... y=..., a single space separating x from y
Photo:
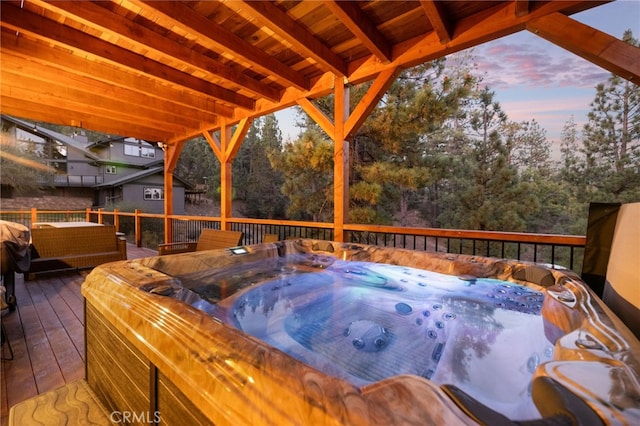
x=209 y=239
x=74 y=248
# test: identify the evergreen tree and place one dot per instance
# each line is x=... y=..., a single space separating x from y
x=264 y=198
x=486 y=193
x=307 y=166
x=198 y=164
x=243 y=163
x=405 y=132
x=612 y=141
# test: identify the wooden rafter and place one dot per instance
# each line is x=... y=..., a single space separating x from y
x=23 y=20
x=183 y=16
x=437 y=17
x=296 y=34
x=522 y=7
x=112 y=24
x=492 y=23
x=41 y=112
x=175 y=69
x=361 y=26
x=92 y=107
x=604 y=50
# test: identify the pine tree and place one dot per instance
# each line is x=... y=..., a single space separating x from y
x=307 y=166
x=264 y=198
x=612 y=141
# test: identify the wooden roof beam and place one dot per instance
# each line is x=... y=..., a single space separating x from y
x=30 y=89
x=296 y=34
x=604 y=50
x=23 y=20
x=184 y=17
x=361 y=26
x=490 y=24
x=39 y=112
x=370 y=100
x=116 y=25
x=35 y=55
x=522 y=7
x=81 y=89
x=227 y=153
x=437 y=17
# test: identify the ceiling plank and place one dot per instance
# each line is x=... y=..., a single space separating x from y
x=81 y=88
x=184 y=17
x=296 y=34
x=36 y=111
x=23 y=20
x=487 y=25
x=614 y=55
x=51 y=93
x=437 y=16
x=64 y=63
x=360 y=25
x=92 y=14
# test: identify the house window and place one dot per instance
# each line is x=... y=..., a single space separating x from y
x=111 y=170
x=147 y=152
x=153 y=193
x=139 y=148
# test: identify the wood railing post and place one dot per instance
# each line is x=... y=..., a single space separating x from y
x=116 y=219
x=100 y=218
x=87 y=214
x=138 y=228
x=168 y=231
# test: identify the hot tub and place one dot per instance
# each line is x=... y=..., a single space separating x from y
x=315 y=332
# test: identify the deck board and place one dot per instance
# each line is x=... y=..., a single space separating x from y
x=46 y=333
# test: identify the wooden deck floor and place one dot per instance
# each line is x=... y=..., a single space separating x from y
x=46 y=333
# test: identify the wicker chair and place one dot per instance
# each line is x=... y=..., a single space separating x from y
x=210 y=239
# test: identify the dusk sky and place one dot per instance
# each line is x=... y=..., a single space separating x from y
x=534 y=79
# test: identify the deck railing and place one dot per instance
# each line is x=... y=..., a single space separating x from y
x=147 y=230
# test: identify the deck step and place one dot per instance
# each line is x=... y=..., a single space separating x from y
x=72 y=404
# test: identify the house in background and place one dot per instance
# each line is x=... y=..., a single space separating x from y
x=112 y=171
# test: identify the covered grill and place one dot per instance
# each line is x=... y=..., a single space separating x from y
x=15 y=254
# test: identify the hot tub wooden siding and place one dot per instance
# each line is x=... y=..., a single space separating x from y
x=126 y=381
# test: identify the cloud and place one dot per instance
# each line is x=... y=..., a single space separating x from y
x=520 y=62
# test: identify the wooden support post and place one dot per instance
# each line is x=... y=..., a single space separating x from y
x=226 y=150
x=340 y=160
x=171 y=155
x=226 y=179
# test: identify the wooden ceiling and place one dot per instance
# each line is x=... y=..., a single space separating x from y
x=169 y=71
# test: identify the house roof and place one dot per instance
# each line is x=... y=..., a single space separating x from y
x=139 y=175
x=42 y=131
x=169 y=71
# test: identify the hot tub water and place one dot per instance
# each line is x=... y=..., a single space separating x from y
x=364 y=322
